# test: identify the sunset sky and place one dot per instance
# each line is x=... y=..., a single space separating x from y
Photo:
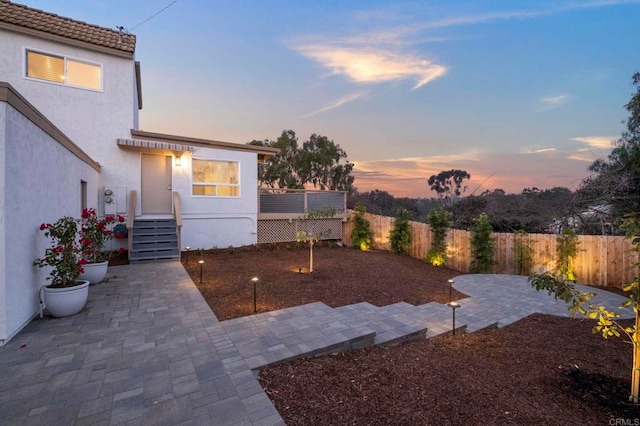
x=519 y=94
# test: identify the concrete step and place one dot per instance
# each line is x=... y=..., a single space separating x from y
x=303 y=331
x=154 y=240
x=155 y=245
x=393 y=323
x=155 y=257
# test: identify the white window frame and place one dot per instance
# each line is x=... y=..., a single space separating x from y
x=221 y=160
x=26 y=50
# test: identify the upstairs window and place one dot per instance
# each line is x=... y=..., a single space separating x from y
x=62 y=70
x=216 y=178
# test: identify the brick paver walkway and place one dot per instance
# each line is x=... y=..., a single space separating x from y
x=148 y=350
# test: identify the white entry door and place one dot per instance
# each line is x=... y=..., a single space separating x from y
x=156 y=191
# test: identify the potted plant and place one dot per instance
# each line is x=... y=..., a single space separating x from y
x=94 y=234
x=66 y=294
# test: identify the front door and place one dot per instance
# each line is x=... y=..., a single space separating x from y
x=155 y=195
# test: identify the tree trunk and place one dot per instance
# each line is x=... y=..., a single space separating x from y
x=635 y=372
x=310 y=256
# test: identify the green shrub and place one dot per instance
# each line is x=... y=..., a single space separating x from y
x=566 y=250
x=482 y=245
x=440 y=220
x=401 y=233
x=523 y=253
x=361 y=234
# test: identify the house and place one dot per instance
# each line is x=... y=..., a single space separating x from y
x=70 y=93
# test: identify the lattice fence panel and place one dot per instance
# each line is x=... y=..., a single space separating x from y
x=281 y=230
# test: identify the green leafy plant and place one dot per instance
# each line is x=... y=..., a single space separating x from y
x=64 y=255
x=361 y=234
x=94 y=234
x=400 y=235
x=439 y=220
x=522 y=252
x=307 y=229
x=607 y=321
x=566 y=250
x=482 y=245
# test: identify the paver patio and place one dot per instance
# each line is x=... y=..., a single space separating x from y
x=147 y=349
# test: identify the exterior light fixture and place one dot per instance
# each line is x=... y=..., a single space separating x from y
x=201 y=262
x=255 y=280
x=178 y=159
x=454 y=306
x=450 y=285
x=186 y=256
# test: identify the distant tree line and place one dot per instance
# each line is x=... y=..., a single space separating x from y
x=532 y=211
x=599 y=206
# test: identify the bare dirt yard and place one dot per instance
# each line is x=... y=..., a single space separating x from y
x=517 y=375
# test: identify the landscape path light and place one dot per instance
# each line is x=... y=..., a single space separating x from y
x=454 y=306
x=450 y=285
x=186 y=256
x=255 y=280
x=201 y=262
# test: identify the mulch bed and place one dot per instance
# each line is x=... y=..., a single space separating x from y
x=341 y=276
x=516 y=375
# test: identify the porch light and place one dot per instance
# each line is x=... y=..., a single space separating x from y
x=255 y=280
x=178 y=160
x=454 y=306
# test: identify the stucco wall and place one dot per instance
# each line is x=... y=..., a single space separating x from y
x=93 y=120
x=3 y=252
x=41 y=181
x=218 y=221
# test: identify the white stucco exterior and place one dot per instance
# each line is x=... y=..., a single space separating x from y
x=92 y=119
x=41 y=182
x=40 y=176
x=218 y=221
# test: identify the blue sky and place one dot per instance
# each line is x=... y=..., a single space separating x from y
x=519 y=94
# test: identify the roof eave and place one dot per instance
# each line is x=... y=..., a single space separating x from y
x=262 y=151
x=66 y=40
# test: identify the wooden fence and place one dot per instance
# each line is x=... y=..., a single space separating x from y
x=601 y=260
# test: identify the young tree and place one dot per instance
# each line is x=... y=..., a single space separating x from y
x=308 y=231
x=482 y=245
x=566 y=250
x=361 y=234
x=522 y=252
x=448 y=184
x=401 y=233
x=440 y=220
x=607 y=325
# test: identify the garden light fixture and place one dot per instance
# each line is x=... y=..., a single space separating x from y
x=454 y=306
x=186 y=256
x=450 y=285
x=201 y=262
x=255 y=280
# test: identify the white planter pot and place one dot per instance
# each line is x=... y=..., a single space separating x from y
x=62 y=302
x=94 y=272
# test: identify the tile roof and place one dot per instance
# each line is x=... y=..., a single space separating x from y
x=20 y=17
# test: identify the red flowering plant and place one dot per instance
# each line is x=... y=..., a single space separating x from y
x=64 y=255
x=95 y=233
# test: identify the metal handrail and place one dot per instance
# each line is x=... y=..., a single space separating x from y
x=178 y=216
